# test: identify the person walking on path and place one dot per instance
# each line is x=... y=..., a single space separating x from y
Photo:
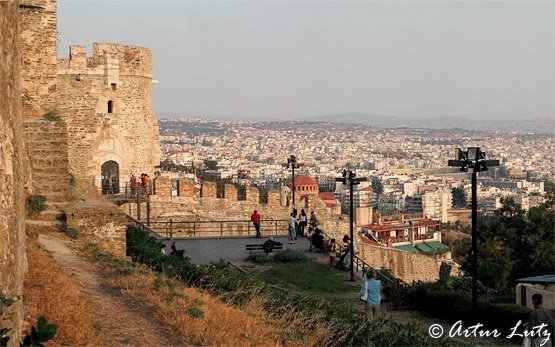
x=541 y=317
x=255 y=218
x=291 y=221
x=373 y=290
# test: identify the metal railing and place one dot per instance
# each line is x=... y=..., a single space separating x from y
x=363 y=266
x=221 y=228
x=127 y=190
x=142 y=226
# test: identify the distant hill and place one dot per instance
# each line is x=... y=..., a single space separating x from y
x=538 y=125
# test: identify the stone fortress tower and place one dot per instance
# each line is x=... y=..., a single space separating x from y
x=106 y=102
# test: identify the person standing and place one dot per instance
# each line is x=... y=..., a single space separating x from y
x=313 y=221
x=255 y=218
x=110 y=184
x=143 y=189
x=147 y=186
x=291 y=221
x=373 y=288
x=538 y=317
x=133 y=184
x=302 y=222
x=332 y=249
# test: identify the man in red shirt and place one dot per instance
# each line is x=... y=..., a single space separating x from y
x=255 y=218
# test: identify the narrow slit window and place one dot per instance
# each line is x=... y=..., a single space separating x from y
x=110 y=106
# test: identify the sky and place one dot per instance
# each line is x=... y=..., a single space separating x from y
x=291 y=59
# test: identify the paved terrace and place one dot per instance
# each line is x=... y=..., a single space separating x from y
x=205 y=251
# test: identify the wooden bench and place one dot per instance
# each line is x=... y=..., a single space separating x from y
x=260 y=247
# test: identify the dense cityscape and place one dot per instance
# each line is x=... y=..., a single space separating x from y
x=406 y=168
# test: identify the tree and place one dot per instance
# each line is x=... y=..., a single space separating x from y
x=211 y=164
x=377 y=185
x=512 y=244
x=458 y=197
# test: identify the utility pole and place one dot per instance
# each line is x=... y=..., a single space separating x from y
x=349 y=178
x=473 y=159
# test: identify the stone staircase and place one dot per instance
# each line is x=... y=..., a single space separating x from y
x=46 y=145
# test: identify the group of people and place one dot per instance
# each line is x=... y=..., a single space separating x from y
x=143 y=184
x=298 y=222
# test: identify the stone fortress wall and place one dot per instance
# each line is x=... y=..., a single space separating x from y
x=13 y=261
x=206 y=206
x=106 y=101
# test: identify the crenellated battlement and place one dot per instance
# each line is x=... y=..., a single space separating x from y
x=108 y=59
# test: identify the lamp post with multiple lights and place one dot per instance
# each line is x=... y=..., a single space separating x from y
x=292 y=163
x=349 y=178
x=475 y=160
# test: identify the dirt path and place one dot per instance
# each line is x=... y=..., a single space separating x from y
x=123 y=322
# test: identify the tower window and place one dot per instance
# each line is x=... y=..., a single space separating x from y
x=110 y=106
x=114 y=86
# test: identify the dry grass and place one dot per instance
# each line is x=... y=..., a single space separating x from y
x=201 y=319
x=50 y=292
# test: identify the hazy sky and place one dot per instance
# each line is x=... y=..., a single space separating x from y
x=282 y=59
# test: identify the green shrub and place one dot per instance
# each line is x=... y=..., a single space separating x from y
x=52 y=116
x=195 y=312
x=457 y=305
x=36 y=204
x=41 y=333
x=258 y=258
x=73 y=233
x=72 y=180
x=288 y=256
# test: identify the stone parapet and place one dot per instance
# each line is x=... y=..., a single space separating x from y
x=186 y=188
x=208 y=190
x=162 y=186
x=253 y=195
x=230 y=192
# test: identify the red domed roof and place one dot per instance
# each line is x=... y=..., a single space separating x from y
x=303 y=181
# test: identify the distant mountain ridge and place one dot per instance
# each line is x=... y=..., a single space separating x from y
x=537 y=125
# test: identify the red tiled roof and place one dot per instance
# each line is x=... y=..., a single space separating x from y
x=327 y=196
x=371 y=242
x=303 y=181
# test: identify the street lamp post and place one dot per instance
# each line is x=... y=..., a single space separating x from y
x=292 y=163
x=349 y=178
x=476 y=160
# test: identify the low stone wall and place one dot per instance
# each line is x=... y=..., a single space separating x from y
x=101 y=224
x=404 y=265
x=97 y=220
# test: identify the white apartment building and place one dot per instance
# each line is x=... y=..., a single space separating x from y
x=435 y=204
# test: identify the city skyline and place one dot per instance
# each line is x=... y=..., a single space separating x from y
x=287 y=60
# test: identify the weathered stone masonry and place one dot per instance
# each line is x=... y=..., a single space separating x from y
x=106 y=101
x=13 y=263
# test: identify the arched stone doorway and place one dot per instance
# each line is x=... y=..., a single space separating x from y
x=110 y=177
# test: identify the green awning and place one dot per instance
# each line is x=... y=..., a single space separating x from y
x=437 y=245
x=407 y=248
x=423 y=247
